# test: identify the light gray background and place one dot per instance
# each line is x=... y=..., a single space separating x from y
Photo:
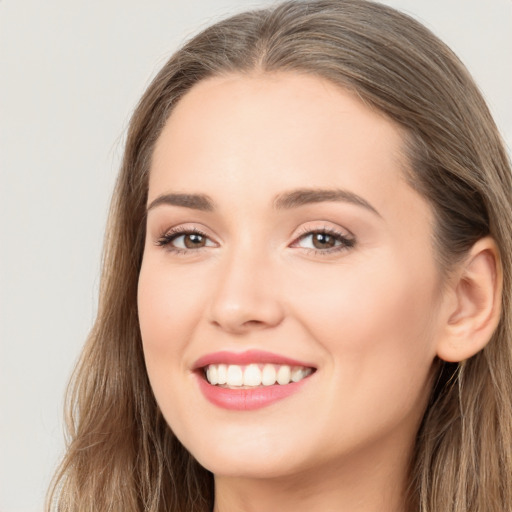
x=70 y=75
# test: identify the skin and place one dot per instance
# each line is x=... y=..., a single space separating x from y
x=367 y=317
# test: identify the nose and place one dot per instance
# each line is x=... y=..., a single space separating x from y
x=246 y=297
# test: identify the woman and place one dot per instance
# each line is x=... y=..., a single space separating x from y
x=306 y=293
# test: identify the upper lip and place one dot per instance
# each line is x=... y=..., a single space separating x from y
x=247 y=357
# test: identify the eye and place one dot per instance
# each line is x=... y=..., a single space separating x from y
x=184 y=240
x=190 y=241
x=324 y=241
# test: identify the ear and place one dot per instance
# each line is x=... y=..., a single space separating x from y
x=474 y=305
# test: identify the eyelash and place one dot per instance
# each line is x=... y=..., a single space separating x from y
x=346 y=242
x=166 y=239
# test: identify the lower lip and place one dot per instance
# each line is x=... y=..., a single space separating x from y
x=247 y=399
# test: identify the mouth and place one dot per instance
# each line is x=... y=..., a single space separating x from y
x=250 y=380
x=253 y=375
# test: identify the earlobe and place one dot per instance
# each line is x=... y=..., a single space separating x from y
x=475 y=308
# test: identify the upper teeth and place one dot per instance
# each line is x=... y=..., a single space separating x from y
x=254 y=375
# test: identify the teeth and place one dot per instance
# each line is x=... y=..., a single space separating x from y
x=298 y=373
x=222 y=374
x=235 y=375
x=283 y=375
x=254 y=375
x=268 y=377
x=211 y=374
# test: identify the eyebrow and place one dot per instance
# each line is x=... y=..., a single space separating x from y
x=195 y=201
x=302 y=197
x=284 y=201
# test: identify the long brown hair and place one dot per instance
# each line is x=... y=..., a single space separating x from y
x=121 y=454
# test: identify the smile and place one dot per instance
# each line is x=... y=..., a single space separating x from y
x=254 y=375
x=249 y=380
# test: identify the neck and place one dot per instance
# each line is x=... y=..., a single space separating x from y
x=355 y=485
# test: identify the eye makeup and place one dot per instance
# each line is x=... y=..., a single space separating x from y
x=323 y=241
x=182 y=240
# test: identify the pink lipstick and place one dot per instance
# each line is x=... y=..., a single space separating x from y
x=247 y=357
x=249 y=380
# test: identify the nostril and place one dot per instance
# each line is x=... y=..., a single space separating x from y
x=238 y=323
x=254 y=323
x=241 y=302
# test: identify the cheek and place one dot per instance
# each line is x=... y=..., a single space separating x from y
x=164 y=323
x=381 y=301
x=168 y=307
x=379 y=340
x=168 y=312
x=156 y=312
x=376 y=323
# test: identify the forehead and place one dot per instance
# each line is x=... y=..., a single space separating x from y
x=253 y=136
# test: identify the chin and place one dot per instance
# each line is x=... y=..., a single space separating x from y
x=254 y=468
x=252 y=456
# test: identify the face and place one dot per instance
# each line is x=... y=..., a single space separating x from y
x=283 y=242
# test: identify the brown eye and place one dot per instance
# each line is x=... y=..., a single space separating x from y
x=185 y=240
x=193 y=241
x=323 y=241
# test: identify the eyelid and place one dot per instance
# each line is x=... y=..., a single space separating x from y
x=344 y=239
x=344 y=236
x=323 y=226
x=182 y=227
x=168 y=235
